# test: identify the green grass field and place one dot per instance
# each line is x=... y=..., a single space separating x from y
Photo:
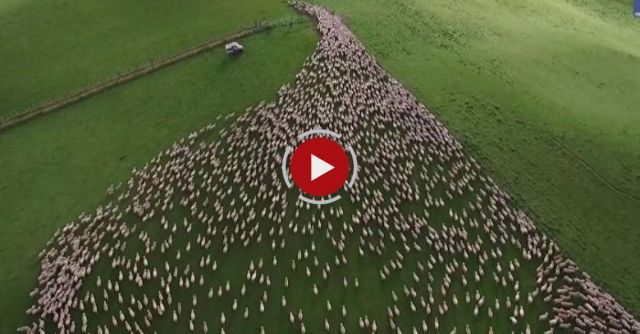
x=512 y=80
x=52 y=47
x=57 y=166
x=370 y=297
x=223 y=190
x=500 y=72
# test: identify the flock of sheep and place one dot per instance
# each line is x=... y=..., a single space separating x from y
x=207 y=238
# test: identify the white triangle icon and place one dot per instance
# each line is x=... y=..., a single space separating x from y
x=319 y=167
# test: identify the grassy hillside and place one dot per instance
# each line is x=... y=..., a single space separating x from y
x=545 y=93
x=517 y=81
x=57 y=166
x=50 y=47
x=208 y=239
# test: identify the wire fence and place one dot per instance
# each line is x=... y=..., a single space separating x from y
x=58 y=102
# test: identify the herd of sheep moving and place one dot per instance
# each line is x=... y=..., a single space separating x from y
x=206 y=237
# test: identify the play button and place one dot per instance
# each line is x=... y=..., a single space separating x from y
x=319 y=166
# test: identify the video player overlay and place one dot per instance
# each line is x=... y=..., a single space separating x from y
x=310 y=170
x=206 y=239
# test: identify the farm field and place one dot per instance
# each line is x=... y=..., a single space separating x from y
x=200 y=233
x=57 y=166
x=52 y=47
x=207 y=237
x=509 y=78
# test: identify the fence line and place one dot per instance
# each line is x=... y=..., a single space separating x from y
x=48 y=107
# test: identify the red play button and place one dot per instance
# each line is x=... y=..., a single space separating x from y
x=319 y=166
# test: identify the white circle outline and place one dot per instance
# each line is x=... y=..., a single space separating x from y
x=289 y=150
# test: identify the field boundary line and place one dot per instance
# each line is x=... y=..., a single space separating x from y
x=102 y=86
x=586 y=165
